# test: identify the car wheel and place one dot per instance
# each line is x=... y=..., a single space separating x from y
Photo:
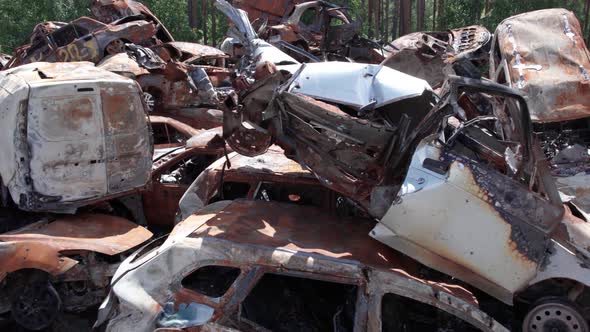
x=36 y=305
x=150 y=101
x=554 y=315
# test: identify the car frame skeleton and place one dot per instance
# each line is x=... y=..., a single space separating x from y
x=324 y=29
x=432 y=55
x=253 y=241
x=476 y=146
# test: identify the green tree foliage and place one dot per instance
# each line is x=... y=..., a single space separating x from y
x=18 y=17
x=174 y=15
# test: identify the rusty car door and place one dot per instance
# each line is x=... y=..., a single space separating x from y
x=68 y=121
x=465 y=212
x=128 y=144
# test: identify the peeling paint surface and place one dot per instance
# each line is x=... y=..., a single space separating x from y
x=82 y=135
x=259 y=238
x=553 y=76
x=40 y=245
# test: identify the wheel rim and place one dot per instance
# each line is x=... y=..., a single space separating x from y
x=554 y=317
x=150 y=101
x=36 y=306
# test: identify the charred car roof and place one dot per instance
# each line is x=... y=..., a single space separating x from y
x=298 y=228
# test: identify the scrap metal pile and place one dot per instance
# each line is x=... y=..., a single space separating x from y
x=301 y=177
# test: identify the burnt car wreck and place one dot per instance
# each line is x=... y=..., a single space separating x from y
x=299 y=178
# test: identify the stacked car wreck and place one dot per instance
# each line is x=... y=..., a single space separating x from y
x=394 y=189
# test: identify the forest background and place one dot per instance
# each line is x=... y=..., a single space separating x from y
x=199 y=21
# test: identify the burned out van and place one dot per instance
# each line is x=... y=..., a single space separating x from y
x=71 y=134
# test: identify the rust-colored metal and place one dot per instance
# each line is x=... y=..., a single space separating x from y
x=161 y=200
x=109 y=11
x=83 y=39
x=332 y=31
x=426 y=54
x=41 y=245
x=295 y=228
x=272 y=10
x=178 y=125
x=547 y=60
x=197 y=50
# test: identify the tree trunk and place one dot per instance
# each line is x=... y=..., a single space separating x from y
x=370 y=18
x=585 y=27
x=383 y=20
x=420 y=11
x=377 y=11
x=406 y=17
x=193 y=14
x=395 y=19
x=476 y=11
x=213 y=25
x=386 y=27
x=204 y=20
x=442 y=25
x=487 y=7
x=434 y=15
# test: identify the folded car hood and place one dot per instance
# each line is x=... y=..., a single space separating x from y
x=355 y=84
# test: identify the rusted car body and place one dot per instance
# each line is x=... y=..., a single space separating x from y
x=170 y=133
x=268 y=177
x=83 y=39
x=179 y=80
x=426 y=54
x=173 y=172
x=324 y=29
x=73 y=135
x=543 y=55
x=251 y=265
x=471 y=154
x=271 y=11
x=62 y=264
x=109 y=11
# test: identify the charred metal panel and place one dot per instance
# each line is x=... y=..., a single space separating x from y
x=14 y=92
x=64 y=137
x=42 y=245
x=83 y=39
x=116 y=11
x=427 y=54
x=271 y=10
x=260 y=238
x=75 y=135
x=127 y=139
x=548 y=61
x=460 y=225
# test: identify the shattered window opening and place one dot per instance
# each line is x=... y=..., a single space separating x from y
x=187 y=170
x=284 y=303
x=164 y=134
x=400 y=313
x=213 y=281
x=160 y=134
x=231 y=191
x=310 y=17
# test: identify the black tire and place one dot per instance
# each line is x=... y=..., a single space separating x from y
x=554 y=314
x=35 y=305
